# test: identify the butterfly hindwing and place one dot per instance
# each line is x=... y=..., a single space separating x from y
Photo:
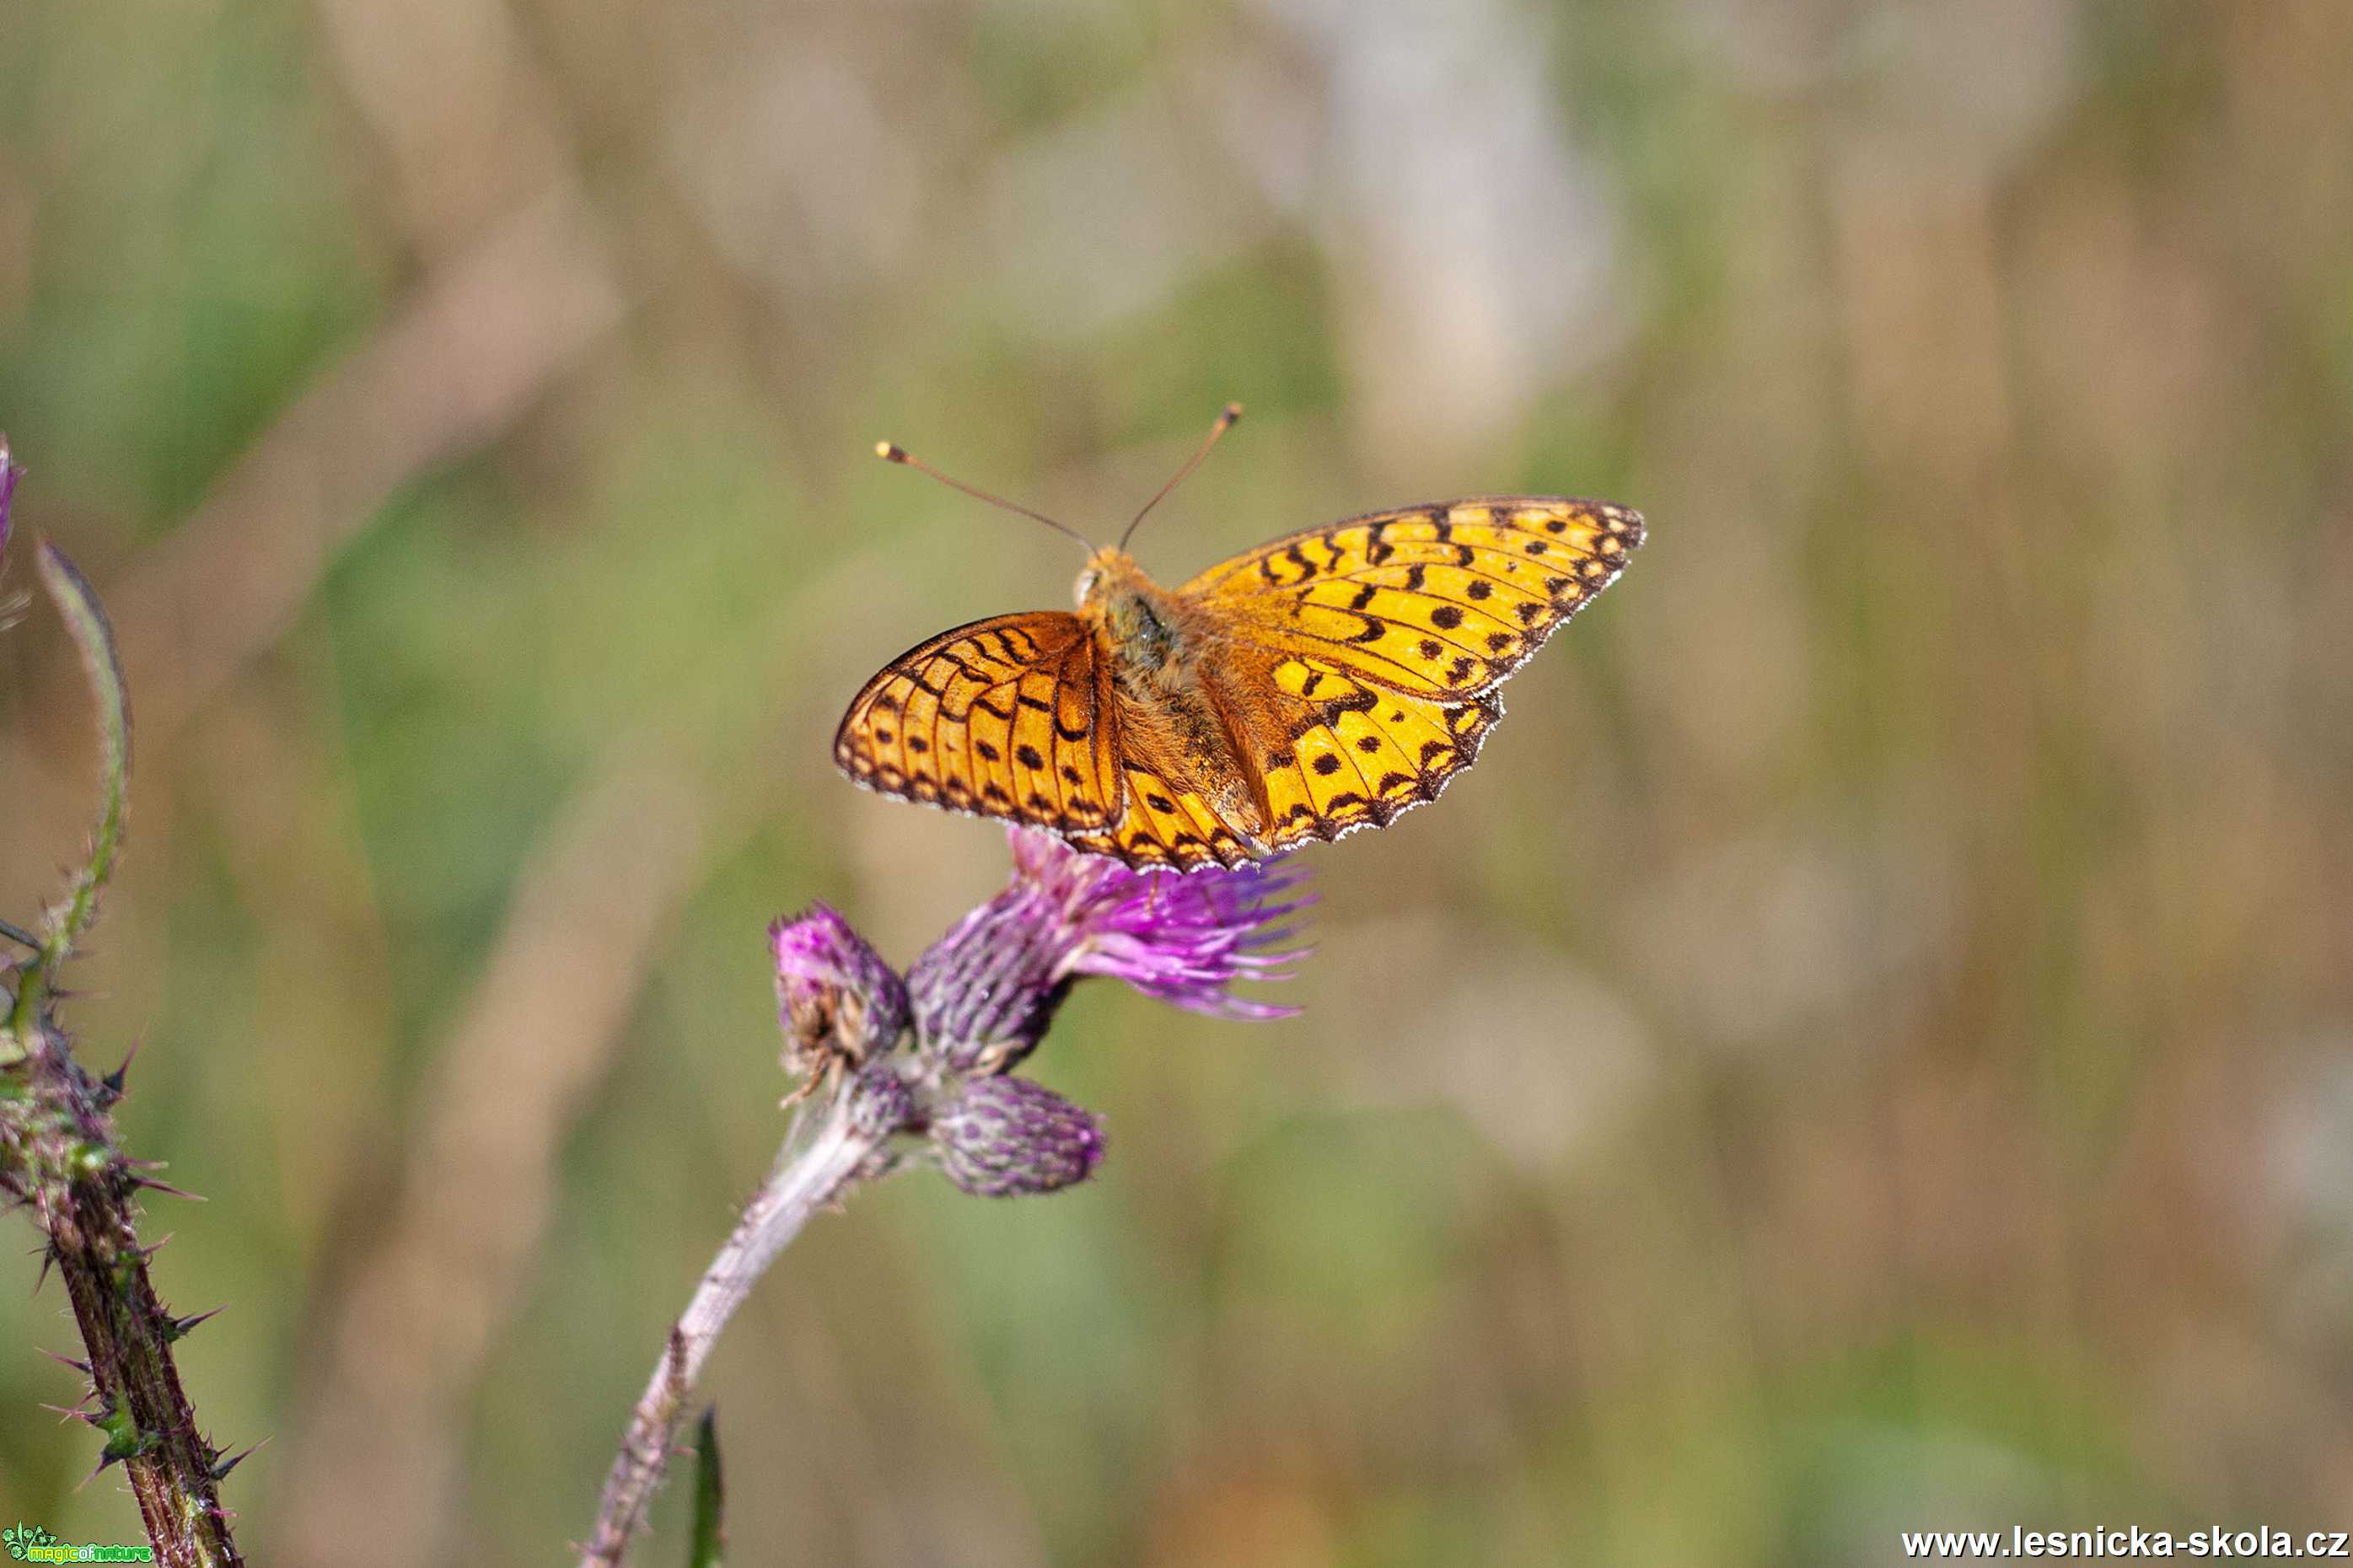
x=1356 y=754
x=1438 y=601
x=1165 y=826
x=1009 y=717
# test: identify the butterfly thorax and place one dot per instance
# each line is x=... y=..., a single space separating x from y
x=1154 y=643
x=1141 y=624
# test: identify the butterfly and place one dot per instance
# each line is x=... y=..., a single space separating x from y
x=1321 y=683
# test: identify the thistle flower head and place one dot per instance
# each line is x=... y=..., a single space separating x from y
x=836 y=997
x=1182 y=937
x=984 y=992
x=1006 y=1137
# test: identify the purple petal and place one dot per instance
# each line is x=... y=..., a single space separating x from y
x=985 y=992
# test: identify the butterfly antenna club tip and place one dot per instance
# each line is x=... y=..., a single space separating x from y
x=892 y=452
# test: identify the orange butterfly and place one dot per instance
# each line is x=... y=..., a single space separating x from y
x=1319 y=684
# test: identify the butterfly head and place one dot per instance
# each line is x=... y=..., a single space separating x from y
x=1108 y=571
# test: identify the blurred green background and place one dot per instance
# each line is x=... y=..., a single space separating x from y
x=1871 y=1047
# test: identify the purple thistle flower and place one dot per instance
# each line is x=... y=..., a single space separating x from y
x=835 y=995
x=1008 y=1137
x=984 y=993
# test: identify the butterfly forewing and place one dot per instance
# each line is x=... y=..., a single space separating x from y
x=1439 y=601
x=1009 y=716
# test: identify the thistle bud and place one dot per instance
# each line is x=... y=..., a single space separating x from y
x=1006 y=1137
x=881 y=1102
x=836 y=998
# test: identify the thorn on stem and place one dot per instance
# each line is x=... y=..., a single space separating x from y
x=180 y=1328
x=114 y=1080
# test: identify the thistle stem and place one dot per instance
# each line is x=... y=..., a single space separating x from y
x=174 y=1473
x=823 y=1156
x=59 y=1158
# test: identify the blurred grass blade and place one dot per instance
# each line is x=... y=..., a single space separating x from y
x=709 y=1495
x=9 y=475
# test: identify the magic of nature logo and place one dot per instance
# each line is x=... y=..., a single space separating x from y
x=31 y=1544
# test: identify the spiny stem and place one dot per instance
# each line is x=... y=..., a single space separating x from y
x=59 y=1157
x=150 y=1426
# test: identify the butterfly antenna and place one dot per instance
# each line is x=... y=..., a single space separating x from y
x=891 y=453
x=1233 y=411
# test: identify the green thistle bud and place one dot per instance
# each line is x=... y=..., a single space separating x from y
x=1006 y=1137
